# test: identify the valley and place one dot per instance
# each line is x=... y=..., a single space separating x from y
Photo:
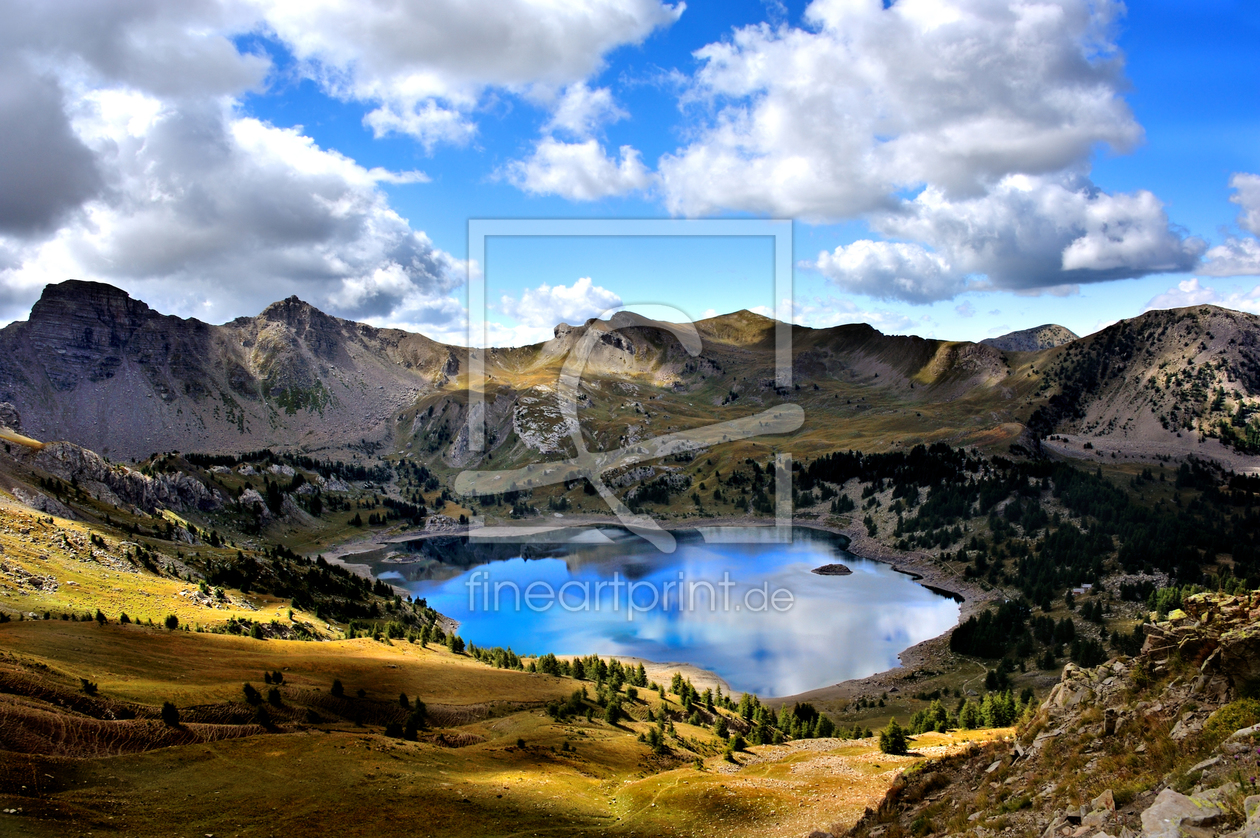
x=261 y=501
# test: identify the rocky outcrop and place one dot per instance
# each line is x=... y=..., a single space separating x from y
x=9 y=417
x=118 y=484
x=1162 y=745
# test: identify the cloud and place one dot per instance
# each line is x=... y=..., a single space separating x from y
x=1191 y=293
x=211 y=213
x=1247 y=196
x=965 y=309
x=821 y=313
x=1236 y=257
x=166 y=49
x=124 y=157
x=888 y=270
x=547 y=305
x=580 y=111
x=1025 y=234
x=578 y=171
x=426 y=65
x=1239 y=256
x=45 y=169
x=830 y=122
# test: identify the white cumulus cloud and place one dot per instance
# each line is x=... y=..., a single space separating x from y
x=426 y=64
x=1240 y=255
x=1026 y=234
x=828 y=122
x=210 y=213
x=1191 y=292
x=547 y=305
x=579 y=171
x=581 y=110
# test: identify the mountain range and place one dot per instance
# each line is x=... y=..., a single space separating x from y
x=96 y=367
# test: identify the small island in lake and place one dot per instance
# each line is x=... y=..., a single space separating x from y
x=832 y=570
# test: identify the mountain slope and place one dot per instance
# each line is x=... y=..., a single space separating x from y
x=100 y=369
x=1165 y=377
x=1032 y=340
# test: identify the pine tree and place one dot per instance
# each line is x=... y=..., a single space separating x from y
x=892 y=739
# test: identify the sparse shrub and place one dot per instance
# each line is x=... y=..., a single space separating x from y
x=100 y=617
x=170 y=714
x=362 y=693
x=88 y=687
x=172 y=622
x=520 y=743
x=1233 y=716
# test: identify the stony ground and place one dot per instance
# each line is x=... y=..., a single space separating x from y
x=1163 y=745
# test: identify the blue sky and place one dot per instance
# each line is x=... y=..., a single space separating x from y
x=954 y=168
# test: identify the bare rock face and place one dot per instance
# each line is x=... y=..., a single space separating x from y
x=118 y=484
x=9 y=417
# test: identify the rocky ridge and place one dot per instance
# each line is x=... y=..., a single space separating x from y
x=117 y=484
x=1163 y=745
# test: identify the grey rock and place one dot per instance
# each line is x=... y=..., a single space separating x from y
x=1171 y=811
x=9 y=417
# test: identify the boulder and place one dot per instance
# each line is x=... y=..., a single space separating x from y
x=1172 y=811
x=9 y=417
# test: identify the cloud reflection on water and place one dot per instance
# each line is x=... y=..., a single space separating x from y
x=839 y=627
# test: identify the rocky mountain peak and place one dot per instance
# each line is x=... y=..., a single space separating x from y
x=297 y=313
x=77 y=299
x=1046 y=336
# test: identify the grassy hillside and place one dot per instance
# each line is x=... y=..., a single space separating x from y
x=491 y=761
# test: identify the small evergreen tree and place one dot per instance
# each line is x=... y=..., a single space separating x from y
x=170 y=714
x=172 y=622
x=337 y=690
x=892 y=739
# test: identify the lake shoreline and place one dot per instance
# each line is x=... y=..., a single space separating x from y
x=923 y=568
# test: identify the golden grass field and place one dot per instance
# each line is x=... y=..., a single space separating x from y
x=338 y=778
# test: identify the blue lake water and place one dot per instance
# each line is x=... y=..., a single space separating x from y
x=752 y=613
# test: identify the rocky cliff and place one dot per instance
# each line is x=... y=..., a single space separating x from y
x=1163 y=745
